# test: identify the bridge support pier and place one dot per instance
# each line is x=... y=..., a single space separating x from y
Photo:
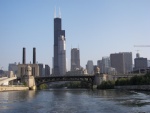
x=30 y=82
x=97 y=80
x=97 y=77
x=29 y=79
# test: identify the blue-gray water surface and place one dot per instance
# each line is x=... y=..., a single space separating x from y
x=74 y=101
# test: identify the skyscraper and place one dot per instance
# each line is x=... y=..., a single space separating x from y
x=59 y=38
x=75 y=59
x=122 y=62
x=40 y=69
x=47 y=70
x=90 y=67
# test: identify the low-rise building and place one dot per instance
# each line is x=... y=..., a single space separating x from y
x=77 y=72
x=22 y=69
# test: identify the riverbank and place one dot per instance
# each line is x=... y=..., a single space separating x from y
x=134 y=87
x=13 y=88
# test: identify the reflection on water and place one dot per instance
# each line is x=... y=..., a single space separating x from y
x=74 y=101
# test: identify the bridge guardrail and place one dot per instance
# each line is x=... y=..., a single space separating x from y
x=12 y=86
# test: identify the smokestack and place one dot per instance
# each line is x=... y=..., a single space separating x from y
x=34 y=55
x=24 y=56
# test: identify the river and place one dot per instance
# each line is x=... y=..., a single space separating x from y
x=74 y=101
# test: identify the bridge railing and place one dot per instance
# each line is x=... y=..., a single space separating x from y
x=12 y=85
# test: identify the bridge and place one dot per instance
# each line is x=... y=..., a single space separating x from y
x=2 y=81
x=87 y=78
x=33 y=82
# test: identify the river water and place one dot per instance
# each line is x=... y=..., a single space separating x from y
x=74 y=101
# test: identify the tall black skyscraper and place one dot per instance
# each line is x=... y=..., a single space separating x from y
x=57 y=33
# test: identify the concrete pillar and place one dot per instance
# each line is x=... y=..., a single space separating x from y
x=11 y=74
x=97 y=77
x=31 y=83
x=29 y=79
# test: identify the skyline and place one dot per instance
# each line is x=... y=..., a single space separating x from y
x=93 y=25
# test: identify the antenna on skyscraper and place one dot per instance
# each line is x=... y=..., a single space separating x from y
x=55 y=12
x=59 y=13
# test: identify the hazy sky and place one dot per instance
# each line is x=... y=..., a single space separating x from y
x=97 y=27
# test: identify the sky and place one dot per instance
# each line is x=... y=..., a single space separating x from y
x=97 y=27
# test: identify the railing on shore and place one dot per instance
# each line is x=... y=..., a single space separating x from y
x=12 y=86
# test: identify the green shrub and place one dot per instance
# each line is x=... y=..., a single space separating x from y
x=106 y=85
x=136 y=80
x=43 y=86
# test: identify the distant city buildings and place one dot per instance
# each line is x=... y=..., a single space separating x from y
x=22 y=67
x=105 y=66
x=90 y=67
x=122 y=62
x=117 y=63
x=77 y=72
x=37 y=69
x=75 y=59
x=13 y=67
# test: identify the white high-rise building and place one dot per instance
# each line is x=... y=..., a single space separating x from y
x=148 y=63
x=62 y=55
x=106 y=64
x=90 y=67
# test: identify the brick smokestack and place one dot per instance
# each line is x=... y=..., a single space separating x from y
x=24 y=56
x=34 y=55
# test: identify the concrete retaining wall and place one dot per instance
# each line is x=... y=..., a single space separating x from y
x=134 y=87
x=13 y=88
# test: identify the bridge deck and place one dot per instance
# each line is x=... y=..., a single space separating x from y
x=7 y=80
x=40 y=80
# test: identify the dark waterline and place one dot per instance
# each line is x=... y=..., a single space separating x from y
x=74 y=101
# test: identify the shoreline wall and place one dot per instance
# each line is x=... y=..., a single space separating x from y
x=13 y=88
x=134 y=87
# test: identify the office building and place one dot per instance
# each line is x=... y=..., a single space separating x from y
x=140 y=63
x=75 y=59
x=40 y=69
x=13 y=67
x=148 y=63
x=122 y=62
x=59 y=66
x=47 y=70
x=100 y=64
x=90 y=67
x=104 y=64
